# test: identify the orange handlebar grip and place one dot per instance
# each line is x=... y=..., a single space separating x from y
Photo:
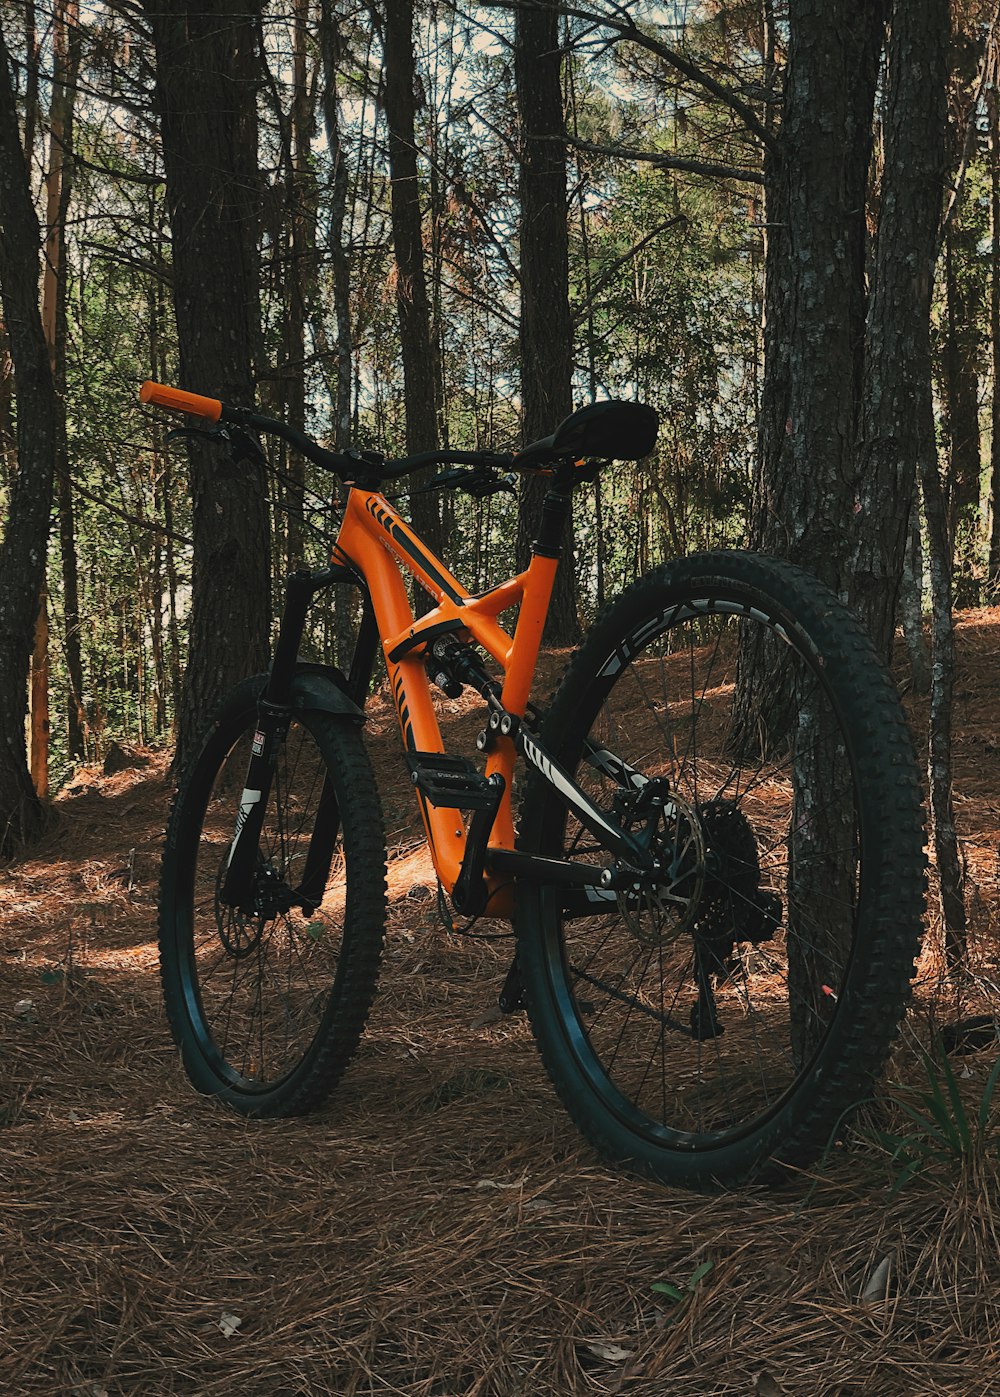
x=176 y=400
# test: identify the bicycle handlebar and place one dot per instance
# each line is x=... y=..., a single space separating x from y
x=348 y=465
x=177 y=400
x=610 y=430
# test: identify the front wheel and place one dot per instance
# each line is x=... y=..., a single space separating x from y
x=267 y=1004
x=721 y=1013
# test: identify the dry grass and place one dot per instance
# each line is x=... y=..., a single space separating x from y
x=440 y=1230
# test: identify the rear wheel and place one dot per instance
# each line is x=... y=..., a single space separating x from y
x=730 y=1007
x=267 y=1006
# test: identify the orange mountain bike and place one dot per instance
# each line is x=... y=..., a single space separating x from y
x=716 y=875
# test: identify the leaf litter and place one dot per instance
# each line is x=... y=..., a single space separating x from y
x=439 y=1229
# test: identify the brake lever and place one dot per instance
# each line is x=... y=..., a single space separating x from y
x=481 y=485
x=443 y=480
x=477 y=481
x=212 y=433
x=244 y=446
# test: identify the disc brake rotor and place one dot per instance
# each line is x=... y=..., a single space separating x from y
x=657 y=913
x=240 y=931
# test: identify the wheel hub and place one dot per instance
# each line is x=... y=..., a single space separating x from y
x=659 y=907
x=239 y=930
x=706 y=877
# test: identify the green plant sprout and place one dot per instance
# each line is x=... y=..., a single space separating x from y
x=945 y=1132
x=680 y=1296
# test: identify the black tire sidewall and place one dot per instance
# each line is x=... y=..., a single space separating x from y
x=803 y=607
x=339 y=741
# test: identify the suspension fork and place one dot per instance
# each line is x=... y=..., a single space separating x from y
x=323 y=839
x=274 y=711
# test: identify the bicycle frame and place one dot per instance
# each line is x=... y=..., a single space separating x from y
x=376 y=541
x=478 y=865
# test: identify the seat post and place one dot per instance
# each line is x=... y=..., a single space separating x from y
x=548 y=541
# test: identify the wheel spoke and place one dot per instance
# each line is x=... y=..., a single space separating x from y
x=267 y=1001
x=704 y=1000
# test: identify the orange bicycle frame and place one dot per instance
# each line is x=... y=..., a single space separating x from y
x=477 y=862
x=379 y=543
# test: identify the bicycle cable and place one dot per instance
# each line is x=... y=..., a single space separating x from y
x=448 y=922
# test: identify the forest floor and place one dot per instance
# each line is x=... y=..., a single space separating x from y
x=439 y=1229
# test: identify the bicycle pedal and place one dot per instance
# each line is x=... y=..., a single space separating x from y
x=450 y=781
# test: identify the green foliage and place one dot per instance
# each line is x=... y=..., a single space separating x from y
x=944 y=1135
x=680 y=1296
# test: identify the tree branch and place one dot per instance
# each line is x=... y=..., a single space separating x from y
x=710 y=168
x=130 y=518
x=608 y=274
x=624 y=27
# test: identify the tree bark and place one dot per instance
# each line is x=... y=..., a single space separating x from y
x=23 y=551
x=897 y=382
x=960 y=361
x=939 y=745
x=207 y=73
x=993 y=107
x=911 y=607
x=331 y=44
x=298 y=272
x=8 y=445
x=412 y=304
x=58 y=184
x=546 y=333
x=922 y=34
x=816 y=198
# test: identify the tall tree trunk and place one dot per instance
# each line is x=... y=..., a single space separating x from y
x=38 y=700
x=928 y=32
x=897 y=383
x=330 y=51
x=58 y=183
x=546 y=336
x=911 y=606
x=297 y=273
x=25 y=541
x=960 y=361
x=331 y=46
x=156 y=610
x=207 y=73
x=32 y=50
x=413 y=307
x=163 y=470
x=75 y=716
x=993 y=105
x=939 y=755
x=815 y=285
x=806 y=492
x=8 y=448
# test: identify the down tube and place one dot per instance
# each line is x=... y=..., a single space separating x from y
x=407 y=677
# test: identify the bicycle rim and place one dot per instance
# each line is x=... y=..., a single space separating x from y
x=755 y=751
x=259 y=988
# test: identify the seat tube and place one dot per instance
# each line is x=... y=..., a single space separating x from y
x=546 y=552
x=523 y=656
